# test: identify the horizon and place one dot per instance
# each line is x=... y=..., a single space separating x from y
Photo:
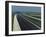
x=25 y=9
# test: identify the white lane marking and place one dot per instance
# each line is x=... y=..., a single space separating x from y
x=30 y=22
x=32 y=17
x=16 y=26
x=36 y=22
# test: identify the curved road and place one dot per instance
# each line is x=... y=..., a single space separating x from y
x=25 y=25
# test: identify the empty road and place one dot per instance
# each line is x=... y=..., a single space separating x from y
x=26 y=24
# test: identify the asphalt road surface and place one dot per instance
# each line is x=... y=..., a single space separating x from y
x=26 y=24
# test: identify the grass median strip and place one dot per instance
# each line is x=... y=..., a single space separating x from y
x=32 y=17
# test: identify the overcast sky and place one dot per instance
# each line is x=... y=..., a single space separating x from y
x=26 y=9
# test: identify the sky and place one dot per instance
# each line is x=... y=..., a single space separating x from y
x=25 y=9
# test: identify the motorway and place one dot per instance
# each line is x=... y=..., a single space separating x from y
x=26 y=23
